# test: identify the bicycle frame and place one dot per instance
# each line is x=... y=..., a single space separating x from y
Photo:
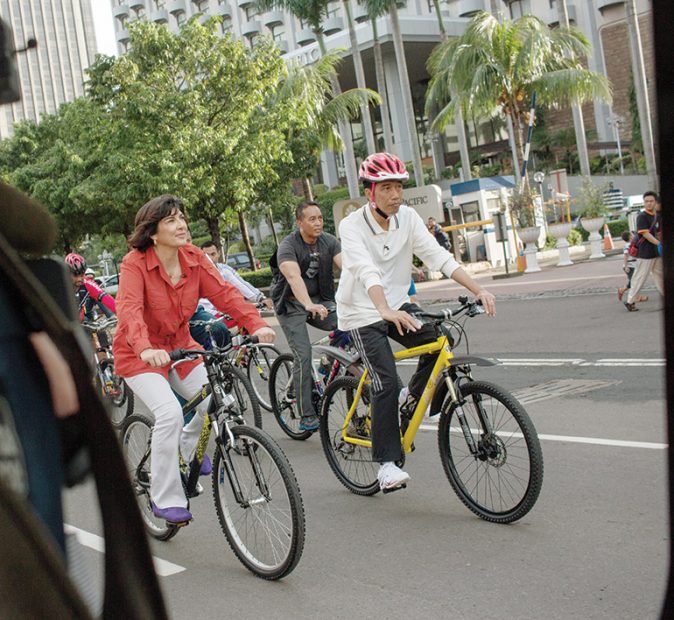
x=441 y=370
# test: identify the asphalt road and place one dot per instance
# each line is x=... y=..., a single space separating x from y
x=595 y=545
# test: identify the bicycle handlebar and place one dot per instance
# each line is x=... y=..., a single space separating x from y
x=470 y=308
x=94 y=326
x=180 y=354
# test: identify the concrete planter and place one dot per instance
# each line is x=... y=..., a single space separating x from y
x=560 y=232
x=529 y=237
x=593 y=225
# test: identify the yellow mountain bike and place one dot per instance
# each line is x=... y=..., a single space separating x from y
x=488 y=445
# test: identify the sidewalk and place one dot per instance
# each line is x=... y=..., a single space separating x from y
x=585 y=276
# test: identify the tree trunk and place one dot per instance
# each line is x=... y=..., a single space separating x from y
x=271 y=225
x=576 y=110
x=641 y=91
x=360 y=78
x=307 y=189
x=213 y=225
x=344 y=130
x=381 y=87
x=408 y=105
x=246 y=239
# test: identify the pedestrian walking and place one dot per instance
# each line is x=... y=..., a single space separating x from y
x=648 y=242
x=629 y=265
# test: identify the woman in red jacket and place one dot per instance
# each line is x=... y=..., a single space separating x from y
x=161 y=281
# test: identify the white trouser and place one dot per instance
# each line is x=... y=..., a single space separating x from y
x=165 y=486
x=644 y=268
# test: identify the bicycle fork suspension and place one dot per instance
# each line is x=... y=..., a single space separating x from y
x=230 y=470
x=458 y=400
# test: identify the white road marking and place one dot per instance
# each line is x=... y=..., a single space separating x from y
x=598 y=441
x=164 y=568
x=570 y=361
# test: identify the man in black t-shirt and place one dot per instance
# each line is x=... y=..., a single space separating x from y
x=303 y=292
x=648 y=257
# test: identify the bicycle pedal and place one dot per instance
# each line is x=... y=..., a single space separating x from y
x=390 y=490
x=180 y=524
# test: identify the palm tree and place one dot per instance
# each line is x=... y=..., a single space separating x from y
x=494 y=68
x=376 y=8
x=458 y=117
x=360 y=77
x=317 y=113
x=313 y=13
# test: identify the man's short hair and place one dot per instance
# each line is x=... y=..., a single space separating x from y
x=652 y=193
x=299 y=210
x=208 y=244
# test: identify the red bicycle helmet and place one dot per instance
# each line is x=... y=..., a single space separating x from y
x=76 y=263
x=382 y=167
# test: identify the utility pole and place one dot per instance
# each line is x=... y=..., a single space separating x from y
x=640 y=87
x=576 y=111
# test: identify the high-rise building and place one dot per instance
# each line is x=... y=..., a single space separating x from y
x=54 y=72
x=603 y=22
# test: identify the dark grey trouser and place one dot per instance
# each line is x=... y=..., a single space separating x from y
x=372 y=343
x=294 y=325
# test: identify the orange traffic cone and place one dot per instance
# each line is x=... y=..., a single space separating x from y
x=608 y=241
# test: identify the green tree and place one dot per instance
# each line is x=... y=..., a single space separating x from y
x=188 y=109
x=494 y=68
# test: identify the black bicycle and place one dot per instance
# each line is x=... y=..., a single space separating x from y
x=115 y=391
x=256 y=495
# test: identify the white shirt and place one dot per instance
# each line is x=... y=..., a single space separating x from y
x=373 y=256
x=229 y=274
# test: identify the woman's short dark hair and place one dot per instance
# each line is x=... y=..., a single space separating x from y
x=148 y=218
x=299 y=211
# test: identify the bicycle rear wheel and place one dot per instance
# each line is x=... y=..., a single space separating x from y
x=235 y=382
x=258 y=368
x=283 y=399
x=501 y=481
x=258 y=502
x=352 y=464
x=115 y=392
x=136 y=443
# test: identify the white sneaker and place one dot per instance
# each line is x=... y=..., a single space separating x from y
x=390 y=476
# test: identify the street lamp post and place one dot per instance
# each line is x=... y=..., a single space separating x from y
x=615 y=121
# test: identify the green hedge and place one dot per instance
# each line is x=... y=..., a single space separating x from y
x=259 y=279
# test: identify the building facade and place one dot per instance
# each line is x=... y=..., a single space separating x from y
x=54 y=72
x=602 y=21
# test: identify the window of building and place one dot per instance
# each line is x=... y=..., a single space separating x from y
x=226 y=24
x=278 y=33
x=519 y=8
x=250 y=12
x=140 y=12
x=123 y=19
x=333 y=9
x=181 y=18
x=200 y=5
x=159 y=4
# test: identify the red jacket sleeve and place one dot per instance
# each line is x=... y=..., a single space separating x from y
x=131 y=302
x=99 y=294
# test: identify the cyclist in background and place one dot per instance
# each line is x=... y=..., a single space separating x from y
x=89 y=294
x=303 y=292
x=379 y=240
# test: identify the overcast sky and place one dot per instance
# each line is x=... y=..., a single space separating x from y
x=104 y=26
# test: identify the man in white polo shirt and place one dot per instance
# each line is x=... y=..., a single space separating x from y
x=378 y=242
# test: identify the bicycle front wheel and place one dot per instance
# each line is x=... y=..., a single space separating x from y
x=283 y=397
x=260 y=358
x=236 y=383
x=501 y=477
x=136 y=444
x=258 y=502
x=351 y=463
